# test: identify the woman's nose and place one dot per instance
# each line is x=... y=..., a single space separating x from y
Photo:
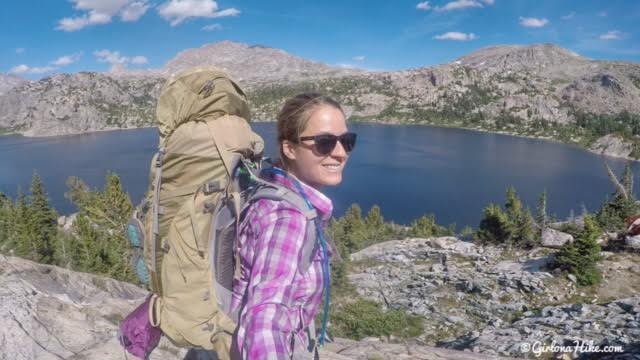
x=339 y=151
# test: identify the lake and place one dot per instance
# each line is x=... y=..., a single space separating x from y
x=407 y=170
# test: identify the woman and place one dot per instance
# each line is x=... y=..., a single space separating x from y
x=277 y=299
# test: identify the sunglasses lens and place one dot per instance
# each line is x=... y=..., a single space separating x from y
x=325 y=143
x=348 y=141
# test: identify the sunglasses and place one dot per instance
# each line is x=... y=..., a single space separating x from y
x=325 y=143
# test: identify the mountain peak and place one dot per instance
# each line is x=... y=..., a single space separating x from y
x=252 y=63
x=520 y=57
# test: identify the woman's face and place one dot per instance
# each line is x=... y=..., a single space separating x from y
x=304 y=160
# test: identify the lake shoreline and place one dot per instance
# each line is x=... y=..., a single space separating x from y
x=430 y=165
x=506 y=133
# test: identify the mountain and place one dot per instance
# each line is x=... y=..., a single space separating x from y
x=9 y=81
x=253 y=63
x=537 y=90
x=76 y=103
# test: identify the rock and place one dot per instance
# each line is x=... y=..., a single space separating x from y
x=572 y=278
x=632 y=241
x=612 y=145
x=555 y=239
x=47 y=312
x=65 y=222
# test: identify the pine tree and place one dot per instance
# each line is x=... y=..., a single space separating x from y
x=495 y=227
x=99 y=244
x=6 y=222
x=581 y=256
x=622 y=204
x=426 y=226
x=354 y=229
x=375 y=226
x=541 y=213
x=42 y=222
x=524 y=227
x=22 y=242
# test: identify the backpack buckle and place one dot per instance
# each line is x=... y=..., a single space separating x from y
x=211 y=187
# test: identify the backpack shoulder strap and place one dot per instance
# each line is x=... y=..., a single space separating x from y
x=280 y=193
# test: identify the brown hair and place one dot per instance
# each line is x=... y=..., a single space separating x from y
x=295 y=114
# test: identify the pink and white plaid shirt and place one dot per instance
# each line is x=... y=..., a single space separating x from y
x=277 y=299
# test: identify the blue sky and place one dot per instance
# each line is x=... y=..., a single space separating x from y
x=40 y=38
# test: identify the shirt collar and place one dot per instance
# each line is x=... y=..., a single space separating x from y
x=319 y=200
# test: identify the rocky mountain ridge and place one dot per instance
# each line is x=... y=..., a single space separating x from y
x=529 y=90
x=253 y=64
x=9 y=81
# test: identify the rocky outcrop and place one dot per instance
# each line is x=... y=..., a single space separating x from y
x=492 y=301
x=612 y=145
x=47 y=312
x=555 y=239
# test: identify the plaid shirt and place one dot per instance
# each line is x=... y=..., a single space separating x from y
x=277 y=299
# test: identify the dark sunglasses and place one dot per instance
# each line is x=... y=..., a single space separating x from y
x=325 y=143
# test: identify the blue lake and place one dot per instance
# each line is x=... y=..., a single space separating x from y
x=407 y=170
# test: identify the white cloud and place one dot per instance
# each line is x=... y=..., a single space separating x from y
x=212 y=27
x=134 y=11
x=423 y=6
x=456 y=36
x=118 y=61
x=110 y=57
x=569 y=16
x=226 y=12
x=177 y=11
x=19 y=50
x=24 y=69
x=99 y=12
x=359 y=58
x=533 y=22
x=66 y=60
x=611 y=35
x=461 y=4
x=139 y=60
x=20 y=69
x=489 y=2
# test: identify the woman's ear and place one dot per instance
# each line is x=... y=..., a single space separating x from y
x=288 y=149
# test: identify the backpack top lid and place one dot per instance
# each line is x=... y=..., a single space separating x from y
x=198 y=94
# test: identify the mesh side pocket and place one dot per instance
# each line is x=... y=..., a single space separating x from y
x=135 y=235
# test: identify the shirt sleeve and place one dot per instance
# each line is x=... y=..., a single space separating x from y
x=269 y=318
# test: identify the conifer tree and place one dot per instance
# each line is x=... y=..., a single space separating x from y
x=426 y=226
x=42 y=222
x=622 y=204
x=581 y=256
x=6 y=214
x=22 y=243
x=99 y=244
x=354 y=229
x=541 y=213
x=375 y=226
x=495 y=227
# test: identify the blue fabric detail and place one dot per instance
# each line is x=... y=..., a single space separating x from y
x=134 y=237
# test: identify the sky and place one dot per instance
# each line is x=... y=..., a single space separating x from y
x=44 y=37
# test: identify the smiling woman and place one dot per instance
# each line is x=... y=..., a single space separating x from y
x=277 y=295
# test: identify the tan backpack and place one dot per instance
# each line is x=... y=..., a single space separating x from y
x=204 y=176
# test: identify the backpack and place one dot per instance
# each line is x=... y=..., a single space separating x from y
x=203 y=179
